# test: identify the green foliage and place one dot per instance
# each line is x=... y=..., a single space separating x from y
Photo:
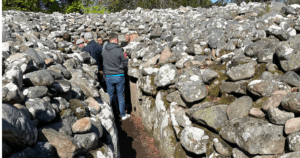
x=74 y=7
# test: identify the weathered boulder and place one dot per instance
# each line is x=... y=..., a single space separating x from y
x=292 y=126
x=36 y=92
x=194 y=140
x=88 y=141
x=293 y=141
x=17 y=129
x=279 y=117
x=166 y=75
x=40 y=109
x=262 y=88
x=241 y=72
x=239 y=108
x=214 y=117
x=291 y=102
x=274 y=100
x=65 y=145
x=83 y=125
x=38 y=78
x=193 y=91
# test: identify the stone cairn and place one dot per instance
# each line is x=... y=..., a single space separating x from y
x=216 y=82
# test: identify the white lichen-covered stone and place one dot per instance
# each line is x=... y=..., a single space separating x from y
x=194 y=140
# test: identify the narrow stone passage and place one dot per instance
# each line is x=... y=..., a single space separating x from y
x=134 y=141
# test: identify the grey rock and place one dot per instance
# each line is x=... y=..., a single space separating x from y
x=256 y=137
x=97 y=127
x=222 y=147
x=279 y=117
x=44 y=150
x=232 y=87
x=61 y=103
x=278 y=32
x=60 y=69
x=38 y=78
x=61 y=86
x=240 y=72
x=176 y=97
x=236 y=153
x=214 y=37
x=11 y=94
x=13 y=74
x=208 y=75
x=26 y=153
x=291 y=102
x=264 y=88
x=17 y=129
x=88 y=141
x=166 y=75
x=106 y=117
x=40 y=109
x=294 y=141
x=24 y=61
x=213 y=117
x=197 y=107
x=291 y=155
x=240 y=107
x=36 y=92
x=194 y=140
x=146 y=83
x=193 y=91
x=36 y=58
x=103 y=151
x=291 y=78
x=55 y=75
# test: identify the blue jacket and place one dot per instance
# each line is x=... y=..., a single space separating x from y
x=95 y=50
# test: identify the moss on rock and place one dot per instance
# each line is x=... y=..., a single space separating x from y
x=259 y=70
x=77 y=108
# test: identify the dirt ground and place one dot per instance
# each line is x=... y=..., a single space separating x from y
x=134 y=141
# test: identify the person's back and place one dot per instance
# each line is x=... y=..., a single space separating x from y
x=115 y=62
x=95 y=50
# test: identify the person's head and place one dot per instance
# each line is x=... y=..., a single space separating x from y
x=67 y=37
x=113 y=38
x=80 y=43
x=88 y=37
x=127 y=38
x=100 y=40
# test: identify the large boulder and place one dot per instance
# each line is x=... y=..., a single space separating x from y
x=166 y=75
x=291 y=102
x=294 y=141
x=65 y=145
x=193 y=91
x=38 y=78
x=41 y=110
x=194 y=140
x=239 y=108
x=17 y=129
x=214 y=117
x=241 y=72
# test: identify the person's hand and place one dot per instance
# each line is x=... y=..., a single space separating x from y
x=101 y=72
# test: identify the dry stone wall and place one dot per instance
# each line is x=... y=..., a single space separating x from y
x=216 y=82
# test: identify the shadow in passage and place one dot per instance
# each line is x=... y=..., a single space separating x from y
x=125 y=140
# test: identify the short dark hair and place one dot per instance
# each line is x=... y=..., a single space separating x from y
x=67 y=37
x=112 y=36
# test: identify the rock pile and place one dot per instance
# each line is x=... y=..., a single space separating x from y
x=53 y=104
x=217 y=82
